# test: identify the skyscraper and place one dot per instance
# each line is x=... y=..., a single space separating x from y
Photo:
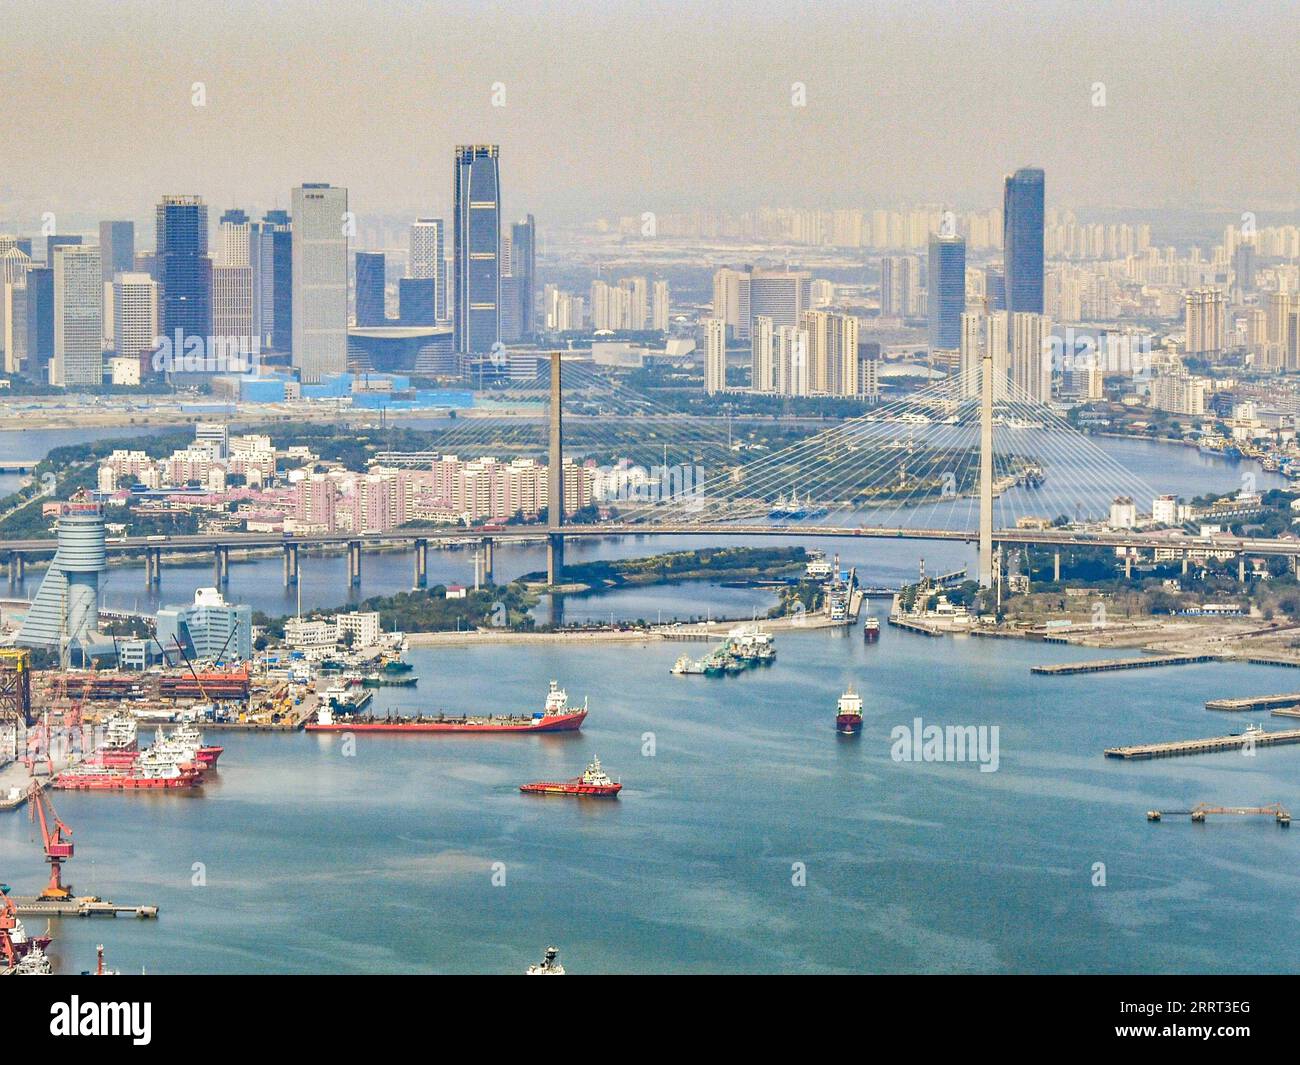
x=116 y=248
x=135 y=313
x=428 y=260
x=900 y=285
x=184 y=270
x=78 y=317
x=477 y=239
x=370 y=288
x=947 y=292
x=277 y=258
x=320 y=280
x=1022 y=240
x=523 y=268
x=715 y=355
x=40 y=323
x=762 y=373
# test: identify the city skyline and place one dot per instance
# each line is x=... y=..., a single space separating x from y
x=1084 y=113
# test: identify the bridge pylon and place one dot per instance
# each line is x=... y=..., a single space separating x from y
x=555 y=482
x=986 y=471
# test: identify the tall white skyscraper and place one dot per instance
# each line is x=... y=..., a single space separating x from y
x=135 y=314
x=659 y=314
x=428 y=259
x=763 y=361
x=320 y=280
x=78 y=317
x=715 y=354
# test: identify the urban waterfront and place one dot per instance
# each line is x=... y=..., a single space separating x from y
x=910 y=867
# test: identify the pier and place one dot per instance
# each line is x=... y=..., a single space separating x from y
x=1209 y=745
x=1258 y=702
x=1108 y=665
x=918 y=627
x=31 y=906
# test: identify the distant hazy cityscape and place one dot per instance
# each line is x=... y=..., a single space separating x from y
x=299 y=494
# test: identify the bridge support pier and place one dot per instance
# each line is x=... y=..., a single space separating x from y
x=421 y=564
x=1241 y=569
x=555 y=559
x=221 y=566
x=354 y=563
x=487 y=560
x=1128 y=564
x=290 y=564
x=1184 y=564
x=17 y=568
x=152 y=566
x=1056 y=567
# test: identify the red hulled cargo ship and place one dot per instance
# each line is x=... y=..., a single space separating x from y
x=595 y=783
x=848 y=718
x=557 y=716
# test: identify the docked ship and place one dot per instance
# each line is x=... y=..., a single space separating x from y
x=594 y=783
x=148 y=773
x=186 y=743
x=556 y=716
x=871 y=630
x=121 y=744
x=750 y=645
x=848 y=717
x=550 y=965
x=686 y=666
x=389 y=680
x=795 y=510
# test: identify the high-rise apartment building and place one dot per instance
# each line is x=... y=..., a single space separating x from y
x=715 y=355
x=1204 y=321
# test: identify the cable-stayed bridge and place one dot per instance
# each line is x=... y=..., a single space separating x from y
x=970 y=458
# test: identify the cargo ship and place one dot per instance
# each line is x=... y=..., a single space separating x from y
x=871 y=630
x=848 y=718
x=556 y=716
x=594 y=783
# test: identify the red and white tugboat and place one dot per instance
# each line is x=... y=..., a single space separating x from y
x=594 y=783
x=848 y=718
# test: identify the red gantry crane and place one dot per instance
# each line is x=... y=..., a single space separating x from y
x=58 y=847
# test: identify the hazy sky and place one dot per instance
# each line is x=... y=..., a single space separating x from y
x=624 y=107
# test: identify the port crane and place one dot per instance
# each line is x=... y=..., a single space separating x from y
x=57 y=842
x=1202 y=810
x=8 y=923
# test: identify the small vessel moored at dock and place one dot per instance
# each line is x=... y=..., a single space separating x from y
x=594 y=783
x=848 y=716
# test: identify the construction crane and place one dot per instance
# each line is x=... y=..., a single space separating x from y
x=1202 y=810
x=58 y=847
x=8 y=923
